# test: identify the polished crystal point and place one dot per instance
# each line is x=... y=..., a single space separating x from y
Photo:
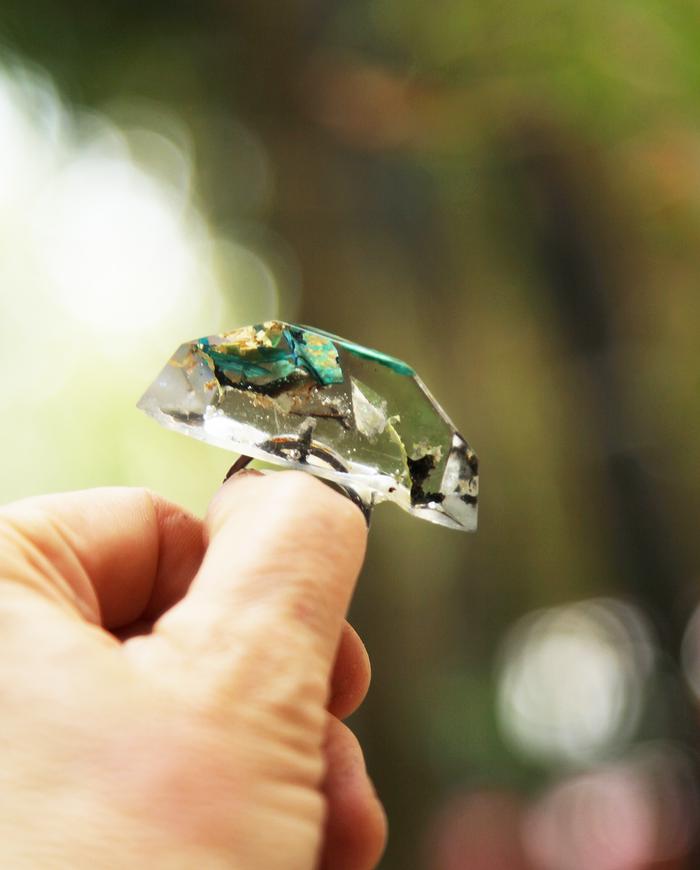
x=306 y=399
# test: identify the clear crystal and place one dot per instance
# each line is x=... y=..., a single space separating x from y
x=303 y=398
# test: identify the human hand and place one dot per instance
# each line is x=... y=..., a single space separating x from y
x=153 y=720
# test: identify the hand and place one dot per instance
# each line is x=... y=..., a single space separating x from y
x=153 y=720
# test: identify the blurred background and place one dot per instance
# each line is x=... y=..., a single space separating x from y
x=505 y=194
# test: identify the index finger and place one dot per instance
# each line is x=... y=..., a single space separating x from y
x=114 y=555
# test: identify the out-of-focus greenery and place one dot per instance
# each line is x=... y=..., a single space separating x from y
x=505 y=194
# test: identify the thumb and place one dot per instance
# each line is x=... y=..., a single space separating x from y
x=283 y=556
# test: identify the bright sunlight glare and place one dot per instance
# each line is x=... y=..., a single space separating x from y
x=106 y=265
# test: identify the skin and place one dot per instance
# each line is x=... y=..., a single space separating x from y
x=173 y=690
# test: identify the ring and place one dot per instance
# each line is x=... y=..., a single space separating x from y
x=304 y=398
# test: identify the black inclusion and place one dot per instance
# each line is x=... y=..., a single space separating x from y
x=185 y=417
x=420 y=470
x=272 y=389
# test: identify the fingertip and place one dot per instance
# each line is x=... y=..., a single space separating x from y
x=296 y=496
x=322 y=513
x=333 y=516
x=227 y=497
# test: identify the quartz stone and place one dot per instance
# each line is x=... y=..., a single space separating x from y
x=301 y=397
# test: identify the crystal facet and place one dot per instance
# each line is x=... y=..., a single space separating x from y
x=304 y=398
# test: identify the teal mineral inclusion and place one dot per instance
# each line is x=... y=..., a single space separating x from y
x=304 y=398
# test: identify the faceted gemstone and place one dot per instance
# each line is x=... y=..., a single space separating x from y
x=306 y=399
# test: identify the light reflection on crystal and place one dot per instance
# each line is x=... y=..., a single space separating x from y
x=307 y=399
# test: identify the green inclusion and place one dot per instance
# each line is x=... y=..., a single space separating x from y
x=265 y=362
x=321 y=357
x=306 y=350
x=396 y=365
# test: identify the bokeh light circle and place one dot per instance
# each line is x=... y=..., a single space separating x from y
x=572 y=680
